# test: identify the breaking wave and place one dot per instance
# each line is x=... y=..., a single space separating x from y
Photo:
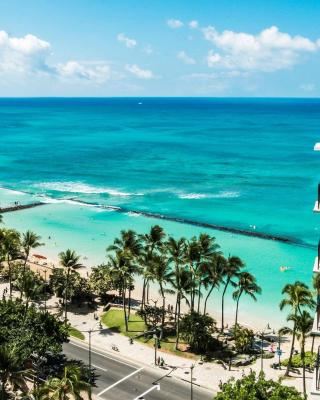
x=79 y=187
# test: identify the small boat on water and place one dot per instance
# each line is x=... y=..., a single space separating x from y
x=284 y=268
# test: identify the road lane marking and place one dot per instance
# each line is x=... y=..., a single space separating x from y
x=156 y=387
x=121 y=380
x=102 y=355
x=97 y=366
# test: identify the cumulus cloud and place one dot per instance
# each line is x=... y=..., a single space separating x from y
x=183 y=56
x=25 y=54
x=270 y=50
x=139 y=72
x=29 y=55
x=193 y=24
x=93 y=71
x=129 y=42
x=174 y=23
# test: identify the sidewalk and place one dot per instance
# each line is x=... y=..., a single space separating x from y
x=205 y=374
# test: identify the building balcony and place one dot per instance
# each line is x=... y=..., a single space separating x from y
x=314 y=393
x=316 y=265
x=316 y=324
x=315 y=389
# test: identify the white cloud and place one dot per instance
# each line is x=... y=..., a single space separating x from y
x=94 y=71
x=270 y=50
x=139 y=72
x=202 y=76
x=129 y=42
x=193 y=24
x=25 y=54
x=183 y=56
x=174 y=23
x=148 y=49
x=308 y=87
x=29 y=55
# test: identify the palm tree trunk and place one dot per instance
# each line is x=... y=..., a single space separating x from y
x=66 y=298
x=207 y=297
x=124 y=306
x=10 y=277
x=199 y=296
x=222 y=305
x=129 y=306
x=163 y=310
x=143 y=299
x=291 y=351
x=192 y=294
x=303 y=368
x=148 y=292
x=176 y=310
x=24 y=271
x=236 y=320
x=178 y=325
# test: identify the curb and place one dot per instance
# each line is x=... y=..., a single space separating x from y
x=133 y=363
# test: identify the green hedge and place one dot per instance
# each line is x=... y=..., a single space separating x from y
x=297 y=363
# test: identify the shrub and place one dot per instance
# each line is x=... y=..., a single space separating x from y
x=252 y=387
x=297 y=362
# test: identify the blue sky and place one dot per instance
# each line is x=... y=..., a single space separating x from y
x=160 y=48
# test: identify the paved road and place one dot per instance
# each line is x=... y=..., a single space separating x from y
x=121 y=380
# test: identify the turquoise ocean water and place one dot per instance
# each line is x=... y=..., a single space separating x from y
x=235 y=162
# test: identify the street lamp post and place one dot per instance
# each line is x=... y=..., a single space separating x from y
x=156 y=346
x=90 y=331
x=191 y=381
x=262 y=335
x=279 y=351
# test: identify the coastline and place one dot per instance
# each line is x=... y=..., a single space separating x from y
x=89 y=230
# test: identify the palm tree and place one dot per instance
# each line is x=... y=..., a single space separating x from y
x=128 y=242
x=30 y=240
x=69 y=260
x=161 y=273
x=71 y=384
x=297 y=295
x=152 y=241
x=181 y=282
x=246 y=285
x=119 y=268
x=130 y=245
x=303 y=323
x=11 y=372
x=207 y=249
x=214 y=275
x=30 y=287
x=231 y=270
x=192 y=258
x=10 y=250
x=176 y=252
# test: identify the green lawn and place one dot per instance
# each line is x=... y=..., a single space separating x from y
x=114 y=320
x=75 y=333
